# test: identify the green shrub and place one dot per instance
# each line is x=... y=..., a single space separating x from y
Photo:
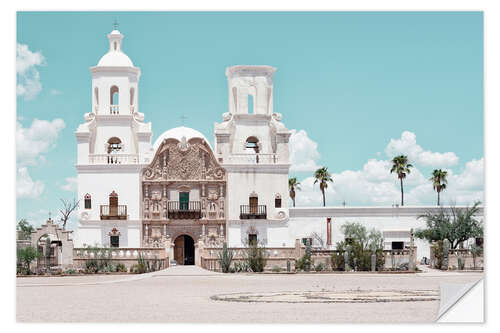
x=320 y=267
x=276 y=269
x=337 y=261
x=69 y=271
x=121 y=268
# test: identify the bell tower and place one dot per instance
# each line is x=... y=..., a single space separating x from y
x=114 y=143
x=252 y=144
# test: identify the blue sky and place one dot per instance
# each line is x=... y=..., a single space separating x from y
x=346 y=82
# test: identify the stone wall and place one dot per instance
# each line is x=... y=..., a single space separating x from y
x=126 y=256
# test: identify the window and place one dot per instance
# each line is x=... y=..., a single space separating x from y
x=96 y=94
x=88 y=201
x=479 y=241
x=113 y=204
x=252 y=144
x=253 y=202
x=397 y=245
x=114 y=241
x=252 y=239
x=114 y=145
x=114 y=95
x=277 y=201
x=307 y=239
x=250 y=104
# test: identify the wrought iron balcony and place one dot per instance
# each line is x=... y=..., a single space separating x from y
x=253 y=158
x=113 y=159
x=248 y=212
x=113 y=212
x=184 y=210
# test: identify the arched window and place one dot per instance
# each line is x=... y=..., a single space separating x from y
x=252 y=144
x=96 y=94
x=113 y=204
x=250 y=104
x=277 y=201
x=114 y=100
x=114 y=145
x=88 y=201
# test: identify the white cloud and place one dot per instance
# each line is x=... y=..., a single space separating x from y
x=303 y=152
x=39 y=138
x=28 y=77
x=71 y=184
x=407 y=145
x=375 y=185
x=26 y=187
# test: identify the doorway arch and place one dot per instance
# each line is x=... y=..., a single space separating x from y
x=184 y=250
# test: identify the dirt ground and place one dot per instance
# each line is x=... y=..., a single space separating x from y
x=183 y=295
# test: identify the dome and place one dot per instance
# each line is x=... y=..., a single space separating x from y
x=178 y=133
x=115 y=58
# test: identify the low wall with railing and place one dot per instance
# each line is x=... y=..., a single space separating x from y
x=393 y=259
x=126 y=256
x=274 y=257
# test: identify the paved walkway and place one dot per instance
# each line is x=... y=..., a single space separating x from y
x=185 y=271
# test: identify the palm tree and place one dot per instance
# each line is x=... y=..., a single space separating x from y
x=323 y=176
x=293 y=185
x=401 y=167
x=439 y=180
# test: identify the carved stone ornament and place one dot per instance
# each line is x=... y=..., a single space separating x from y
x=227 y=116
x=84 y=216
x=184 y=161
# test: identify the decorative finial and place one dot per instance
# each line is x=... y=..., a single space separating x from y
x=50 y=214
x=115 y=25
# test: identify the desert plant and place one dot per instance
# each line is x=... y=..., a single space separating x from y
x=225 y=258
x=69 y=271
x=319 y=267
x=454 y=224
x=337 y=261
x=438 y=251
x=276 y=269
x=241 y=266
x=476 y=251
x=121 y=268
x=323 y=177
x=255 y=257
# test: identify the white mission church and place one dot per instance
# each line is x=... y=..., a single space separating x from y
x=179 y=192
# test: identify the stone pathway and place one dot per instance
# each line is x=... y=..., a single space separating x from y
x=182 y=270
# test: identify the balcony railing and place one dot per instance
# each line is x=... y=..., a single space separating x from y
x=113 y=158
x=184 y=210
x=253 y=159
x=248 y=212
x=113 y=212
x=114 y=109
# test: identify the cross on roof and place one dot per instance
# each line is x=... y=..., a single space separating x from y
x=115 y=24
x=183 y=118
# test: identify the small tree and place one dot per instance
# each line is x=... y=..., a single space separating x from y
x=361 y=244
x=454 y=224
x=66 y=210
x=256 y=256
x=25 y=228
x=323 y=177
x=26 y=256
x=401 y=167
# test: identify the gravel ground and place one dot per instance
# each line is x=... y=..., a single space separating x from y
x=182 y=295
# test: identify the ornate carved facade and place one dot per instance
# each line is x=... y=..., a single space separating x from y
x=183 y=193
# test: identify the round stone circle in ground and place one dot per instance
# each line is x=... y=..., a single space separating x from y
x=347 y=296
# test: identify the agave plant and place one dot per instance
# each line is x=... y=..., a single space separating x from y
x=225 y=258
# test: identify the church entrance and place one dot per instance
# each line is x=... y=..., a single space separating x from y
x=184 y=250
